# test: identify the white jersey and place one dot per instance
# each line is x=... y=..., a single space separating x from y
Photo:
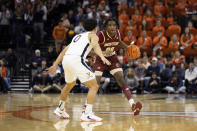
x=73 y=62
x=80 y=45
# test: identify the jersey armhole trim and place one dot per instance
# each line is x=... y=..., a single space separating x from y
x=103 y=37
x=119 y=34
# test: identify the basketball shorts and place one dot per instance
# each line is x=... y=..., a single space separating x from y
x=99 y=66
x=76 y=68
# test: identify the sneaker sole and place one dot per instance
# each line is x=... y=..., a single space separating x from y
x=61 y=116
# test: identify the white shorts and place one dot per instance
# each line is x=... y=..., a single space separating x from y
x=76 y=68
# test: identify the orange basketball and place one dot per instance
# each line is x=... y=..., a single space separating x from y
x=133 y=52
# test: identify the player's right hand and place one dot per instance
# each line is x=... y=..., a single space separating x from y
x=105 y=61
x=51 y=69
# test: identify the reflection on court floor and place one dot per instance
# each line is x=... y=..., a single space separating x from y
x=33 y=112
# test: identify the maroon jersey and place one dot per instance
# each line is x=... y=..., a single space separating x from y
x=109 y=45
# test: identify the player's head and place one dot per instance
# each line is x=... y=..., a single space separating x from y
x=90 y=25
x=111 y=26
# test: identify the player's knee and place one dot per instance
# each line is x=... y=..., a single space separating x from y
x=70 y=85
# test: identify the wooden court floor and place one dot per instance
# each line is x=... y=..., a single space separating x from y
x=33 y=112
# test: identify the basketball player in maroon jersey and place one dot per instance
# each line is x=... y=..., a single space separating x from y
x=110 y=41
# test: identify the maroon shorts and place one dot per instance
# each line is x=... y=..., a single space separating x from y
x=99 y=66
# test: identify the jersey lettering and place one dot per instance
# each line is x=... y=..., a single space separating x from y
x=76 y=38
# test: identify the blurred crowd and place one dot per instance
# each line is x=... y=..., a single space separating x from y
x=164 y=30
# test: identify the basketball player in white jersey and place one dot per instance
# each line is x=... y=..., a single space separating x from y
x=72 y=58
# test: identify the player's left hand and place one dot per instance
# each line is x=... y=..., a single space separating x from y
x=51 y=69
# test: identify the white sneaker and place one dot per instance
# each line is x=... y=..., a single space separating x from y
x=90 y=117
x=61 y=124
x=61 y=113
x=89 y=126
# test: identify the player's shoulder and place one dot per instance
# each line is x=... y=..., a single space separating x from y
x=101 y=36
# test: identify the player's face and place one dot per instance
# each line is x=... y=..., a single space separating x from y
x=111 y=27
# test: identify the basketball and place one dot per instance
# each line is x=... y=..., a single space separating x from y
x=133 y=52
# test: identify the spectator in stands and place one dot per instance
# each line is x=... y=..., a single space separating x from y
x=59 y=81
x=137 y=18
x=144 y=42
x=131 y=26
x=3 y=57
x=192 y=29
x=38 y=24
x=175 y=85
x=158 y=28
x=122 y=58
x=173 y=29
x=28 y=20
x=21 y=49
x=71 y=16
x=195 y=63
x=159 y=8
x=166 y=74
x=5 y=16
x=79 y=28
x=170 y=18
x=70 y=34
x=160 y=41
x=154 y=84
x=187 y=39
x=162 y=19
x=153 y=67
x=146 y=62
x=4 y=80
x=50 y=56
x=80 y=15
x=140 y=72
x=36 y=60
x=11 y=61
x=59 y=34
x=144 y=26
x=131 y=79
x=129 y=39
x=174 y=43
x=191 y=79
x=150 y=20
x=180 y=11
x=42 y=82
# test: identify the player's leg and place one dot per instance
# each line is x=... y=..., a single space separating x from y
x=87 y=78
x=70 y=78
x=60 y=111
x=88 y=115
x=117 y=72
x=136 y=107
x=99 y=68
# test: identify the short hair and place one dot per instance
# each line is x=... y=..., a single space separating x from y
x=111 y=19
x=90 y=24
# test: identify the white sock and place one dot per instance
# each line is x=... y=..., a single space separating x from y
x=88 y=108
x=61 y=104
x=131 y=102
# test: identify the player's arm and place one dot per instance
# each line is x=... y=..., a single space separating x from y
x=122 y=44
x=97 y=49
x=58 y=60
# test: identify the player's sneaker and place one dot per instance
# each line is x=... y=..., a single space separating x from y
x=89 y=126
x=61 y=113
x=90 y=117
x=61 y=124
x=136 y=108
